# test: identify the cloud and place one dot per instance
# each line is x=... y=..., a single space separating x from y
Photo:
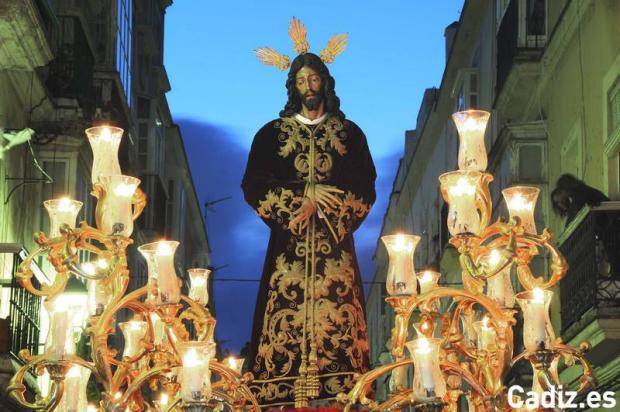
x=238 y=238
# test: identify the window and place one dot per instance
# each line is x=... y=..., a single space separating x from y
x=613 y=108
x=532 y=23
x=124 y=36
x=466 y=89
x=530 y=163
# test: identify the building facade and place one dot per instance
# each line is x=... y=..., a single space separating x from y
x=548 y=71
x=66 y=65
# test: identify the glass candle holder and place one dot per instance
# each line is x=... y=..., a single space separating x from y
x=159 y=333
x=428 y=280
x=401 y=273
x=74 y=397
x=163 y=283
x=537 y=329
x=98 y=297
x=521 y=203
x=486 y=335
x=235 y=364
x=428 y=382
x=59 y=342
x=499 y=287
x=104 y=142
x=467 y=196
x=195 y=358
x=199 y=281
x=471 y=126
x=133 y=332
x=467 y=326
x=62 y=211
x=114 y=213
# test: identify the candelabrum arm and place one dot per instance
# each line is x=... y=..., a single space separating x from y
x=558 y=265
x=102 y=328
x=403 y=307
x=53 y=248
x=235 y=385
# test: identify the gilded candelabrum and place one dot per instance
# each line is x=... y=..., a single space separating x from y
x=468 y=349
x=169 y=352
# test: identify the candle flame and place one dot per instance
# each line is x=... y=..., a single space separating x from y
x=163 y=248
x=60 y=305
x=102 y=264
x=106 y=133
x=135 y=324
x=117 y=395
x=163 y=400
x=88 y=268
x=518 y=203
x=191 y=358
x=232 y=362
x=91 y=408
x=401 y=243
x=65 y=205
x=125 y=189
x=74 y=372
x=427 y=276
x=494 y=258
x=462 y=187
x=538 y=295
x=199 y=281
x=424 y=346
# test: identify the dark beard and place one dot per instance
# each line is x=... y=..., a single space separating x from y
x=312 y=103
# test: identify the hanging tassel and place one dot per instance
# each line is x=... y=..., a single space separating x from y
x=312 y=383
x=301 y=392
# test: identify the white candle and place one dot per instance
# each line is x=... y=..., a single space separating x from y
x=191 y=381
x=425 y=363
x=72 y=389
x=199 y=290
x=60 y=325
x=487 y=337
x=167 y=281
x=158 y=329
x=539 y=326
x=428 y=281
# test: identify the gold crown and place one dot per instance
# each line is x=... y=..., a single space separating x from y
x=297 y=31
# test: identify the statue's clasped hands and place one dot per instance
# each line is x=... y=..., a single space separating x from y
x=318 y=198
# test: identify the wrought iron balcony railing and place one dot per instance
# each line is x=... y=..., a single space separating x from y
x=24 y=308
x=591 y=245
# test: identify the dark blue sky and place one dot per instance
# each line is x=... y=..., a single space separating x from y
x=221 y=96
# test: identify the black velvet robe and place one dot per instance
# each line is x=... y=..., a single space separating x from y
x=275 y=180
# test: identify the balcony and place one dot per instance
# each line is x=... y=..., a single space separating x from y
x=71 y=71
x=590 y=292
x=22 y=326
x=521 y=39
x=25 y=25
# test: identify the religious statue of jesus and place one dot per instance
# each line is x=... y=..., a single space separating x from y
x=310 y=177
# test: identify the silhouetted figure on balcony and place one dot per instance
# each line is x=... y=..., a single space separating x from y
x=571 y=195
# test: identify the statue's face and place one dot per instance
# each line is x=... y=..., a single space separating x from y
x=309 y=86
